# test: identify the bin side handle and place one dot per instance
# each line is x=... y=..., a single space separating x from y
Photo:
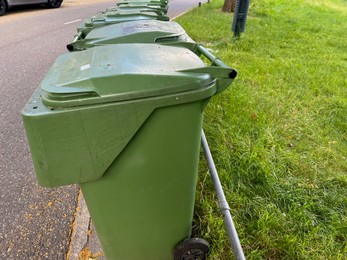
x=74 y=44
x=215 y=61
x=220 y=71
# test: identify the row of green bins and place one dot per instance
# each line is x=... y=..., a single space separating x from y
x=141 y=31
x=122 y=117
x=117 y=16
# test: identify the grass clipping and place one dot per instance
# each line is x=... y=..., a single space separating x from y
x=86 y=254
x=279 y=134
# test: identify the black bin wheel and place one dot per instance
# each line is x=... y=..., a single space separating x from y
x=192 y=249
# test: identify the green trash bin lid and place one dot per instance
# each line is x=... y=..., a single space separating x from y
x=127 y=15
x=144 y=1
x=160 y=7
x=150 y=4
x=122 y=72
x=143 y=31
x=118 y=16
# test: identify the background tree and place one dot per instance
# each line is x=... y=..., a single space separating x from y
x=229 y=6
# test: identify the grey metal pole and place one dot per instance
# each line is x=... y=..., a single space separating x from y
x=223 y=204
x=240 y=16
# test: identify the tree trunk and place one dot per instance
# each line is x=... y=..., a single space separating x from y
x=229 y=6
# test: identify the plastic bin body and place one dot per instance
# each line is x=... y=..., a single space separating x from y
x=142 y=31
x=119 y=16
x=124 y=121
x=153 y=180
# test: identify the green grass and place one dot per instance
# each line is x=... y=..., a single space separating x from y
x=279 y=134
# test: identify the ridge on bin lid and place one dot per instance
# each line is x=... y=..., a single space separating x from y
x=154 y=4
x=122 y=14
x=122 y=72
x=120 y=11
x=136 y=7
x=160 y=28
x=157 y=9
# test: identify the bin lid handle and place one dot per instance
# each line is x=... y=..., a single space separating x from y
x=220 y=71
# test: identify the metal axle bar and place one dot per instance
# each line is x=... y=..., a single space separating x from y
x=223 y=204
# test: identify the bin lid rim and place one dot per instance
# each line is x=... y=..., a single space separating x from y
x=113 y=31
x=123 y=72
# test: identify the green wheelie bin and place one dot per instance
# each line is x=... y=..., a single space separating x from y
x=144 y=1
x=141 y=31
x=117 y=16
x=155 y=8
x=124 y=121
x=151 y=6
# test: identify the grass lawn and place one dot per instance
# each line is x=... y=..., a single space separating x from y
x=279 y=134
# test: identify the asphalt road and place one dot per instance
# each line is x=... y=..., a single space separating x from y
x=36 y=222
